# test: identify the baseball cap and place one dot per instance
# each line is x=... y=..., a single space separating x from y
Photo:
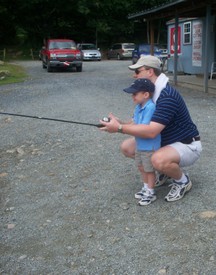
x=140 y=85
x=147 y=60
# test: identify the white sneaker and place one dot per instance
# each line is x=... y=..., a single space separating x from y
x=147 y=198
x=140 y=194
x=178 y=191
x=161 y=179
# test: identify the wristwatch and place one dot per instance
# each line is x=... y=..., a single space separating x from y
x=120 y=128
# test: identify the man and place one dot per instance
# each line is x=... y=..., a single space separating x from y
x=180 y=140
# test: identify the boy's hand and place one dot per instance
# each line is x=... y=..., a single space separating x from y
x=112 y=126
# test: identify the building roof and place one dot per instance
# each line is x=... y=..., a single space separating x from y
x=183 y=8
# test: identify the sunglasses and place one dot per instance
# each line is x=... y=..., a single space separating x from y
x=138 y=72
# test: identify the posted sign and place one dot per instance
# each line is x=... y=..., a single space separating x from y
x=172 y=40
x=197 y=44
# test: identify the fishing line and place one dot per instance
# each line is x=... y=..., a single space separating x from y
x=55 y=119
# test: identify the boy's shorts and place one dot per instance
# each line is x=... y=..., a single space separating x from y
x=188 y=153
x=143 y=158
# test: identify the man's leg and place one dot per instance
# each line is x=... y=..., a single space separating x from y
x=128 y=147
x=169 y=159
x=166 y=160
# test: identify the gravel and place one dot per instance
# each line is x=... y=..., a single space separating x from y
x=67 y=194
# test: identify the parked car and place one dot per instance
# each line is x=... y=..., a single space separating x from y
x=145 y=49
x=121 y=51
x=89 y=51
x=61 y=53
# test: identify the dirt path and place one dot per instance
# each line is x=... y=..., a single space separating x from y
x=67 y=194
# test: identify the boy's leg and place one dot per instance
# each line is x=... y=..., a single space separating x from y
x=138 y=161
x=143 y=174
x=149 y=195
x=150 y=176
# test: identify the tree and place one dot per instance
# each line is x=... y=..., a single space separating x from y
x=100 y=21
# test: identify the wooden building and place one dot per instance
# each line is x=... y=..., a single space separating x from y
x=191 y=45
x=202 y=15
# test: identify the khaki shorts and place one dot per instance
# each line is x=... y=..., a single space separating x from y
x=188 y=153
x=143 y=158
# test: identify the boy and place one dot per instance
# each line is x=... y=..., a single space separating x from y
x=142 y=91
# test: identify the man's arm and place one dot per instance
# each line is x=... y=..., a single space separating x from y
x=141 y=130
x=130 y=121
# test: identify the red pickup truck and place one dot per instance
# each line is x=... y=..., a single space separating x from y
x=61 y=53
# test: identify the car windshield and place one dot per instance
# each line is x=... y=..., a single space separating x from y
x=62 y=45
x=89 y=47
x=129 y=46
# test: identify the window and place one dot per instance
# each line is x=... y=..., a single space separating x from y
x=187 y=33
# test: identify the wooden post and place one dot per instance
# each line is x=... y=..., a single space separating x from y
x=147 y=31
x=31 y=53
x=4 y=54
x=176 y=49
x=152 y=37
x=207 y=42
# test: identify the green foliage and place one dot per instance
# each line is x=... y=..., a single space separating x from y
x=16 y=73
x=30 y=22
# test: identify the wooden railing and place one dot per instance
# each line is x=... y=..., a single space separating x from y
x=10 y=54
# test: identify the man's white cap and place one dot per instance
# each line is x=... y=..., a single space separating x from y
x=147 y=60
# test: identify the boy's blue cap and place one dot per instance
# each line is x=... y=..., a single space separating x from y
x=140 y=85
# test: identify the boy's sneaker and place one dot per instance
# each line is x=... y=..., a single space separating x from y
x=161 y=179
x=147 y=198
x=178 y=191
x=140 y=194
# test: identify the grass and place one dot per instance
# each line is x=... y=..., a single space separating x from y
x=16 y=73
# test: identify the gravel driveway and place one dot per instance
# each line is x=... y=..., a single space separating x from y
x=67 y=194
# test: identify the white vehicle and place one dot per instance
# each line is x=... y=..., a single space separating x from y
x=121 y=51
x=89 y=51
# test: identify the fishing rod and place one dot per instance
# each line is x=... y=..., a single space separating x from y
x=55 y=119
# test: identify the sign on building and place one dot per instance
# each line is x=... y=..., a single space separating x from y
x=172 y=40
x=197 y=44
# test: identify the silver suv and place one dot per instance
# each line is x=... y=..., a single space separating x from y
x=121 y=51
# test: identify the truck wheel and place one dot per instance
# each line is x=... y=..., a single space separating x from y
x=79 y=69
x=49 y=69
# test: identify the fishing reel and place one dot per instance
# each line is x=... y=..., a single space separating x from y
x=106 y=119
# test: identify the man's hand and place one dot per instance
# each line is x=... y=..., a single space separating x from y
x=112 y=126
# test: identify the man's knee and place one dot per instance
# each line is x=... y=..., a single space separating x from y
x=126 y=151
x=158 y=161
x=164 y=157
x=128 y=148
